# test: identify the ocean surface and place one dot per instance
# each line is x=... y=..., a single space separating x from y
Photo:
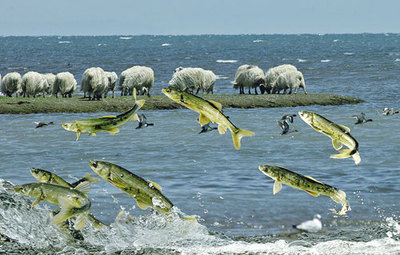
x=202 y=174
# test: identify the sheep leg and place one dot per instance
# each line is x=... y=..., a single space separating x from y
x=255 y=90
x=249 y=91
x=197 y=92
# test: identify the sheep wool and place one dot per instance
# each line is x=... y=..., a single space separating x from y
x=11 y=84
x=65 y=84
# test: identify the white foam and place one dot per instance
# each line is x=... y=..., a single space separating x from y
x=325 y=60
x=301 y=60
x=336 y=40
x=125 y=37
x=222 y=77
x=257 y=41
x=397 y=60
x=226 y=61
x=64 y=42
x=348 y=53
x=165 y=44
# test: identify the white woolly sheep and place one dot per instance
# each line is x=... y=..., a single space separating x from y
x=289 y=80
x=112 y=81
x=273 y=74
x=34 y=83
x=192 y=79
x=139 y=77
x=94 y=80
x=50 y=78
x=65 y=83
x=209 y=79
x=248 y=76
x=11 y=84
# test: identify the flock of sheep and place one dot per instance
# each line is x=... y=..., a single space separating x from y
x=97 y=83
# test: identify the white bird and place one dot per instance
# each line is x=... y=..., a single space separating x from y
x=314 y=225
x=386 y=111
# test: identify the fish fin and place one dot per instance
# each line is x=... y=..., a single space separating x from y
x=96 y=223
x=347 y=129
x=65 y=212
x=221 y=129
x=216 y=104
x=312 y=193
x=346 y=153
x=155 y=185
x=277 y=187
x=140 y=103
x=108 y=117
x=237 y=136
x=190 y=218
x=93 y=134
x=80 y=221
x=309 y=177
x=83 y=187
x=36 y=201
x=203 y=119
x=337 y=145
x=142 y=205
x=356 y=158
x=78 y=133
x=113 y=131
x=90 y=178
x=134 y=117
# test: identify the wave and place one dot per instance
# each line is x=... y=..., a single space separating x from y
x=222 y=77
x=301 y=60
x=226 y=61
x=325 y=60
x=348 y=53
x=125 y=37
x=23 y=228
x=64 y=42
x=257 y=41
x=165 y=44
x=397 y=60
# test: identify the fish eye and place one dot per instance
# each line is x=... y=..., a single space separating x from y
x=94 y=164
x=122 y=175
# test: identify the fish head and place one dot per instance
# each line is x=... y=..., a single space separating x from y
x=29 y=189
x=101 y=168
x=41 y=175
x=306 y=116
x=270 y=171
x=70 y=126
x=173 y=94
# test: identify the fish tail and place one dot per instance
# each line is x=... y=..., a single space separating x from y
x=346 y=153
x=340 y=197
x=140 y=102
x=65 y=213
x=237 y=136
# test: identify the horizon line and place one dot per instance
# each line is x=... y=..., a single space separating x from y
x=202 y=34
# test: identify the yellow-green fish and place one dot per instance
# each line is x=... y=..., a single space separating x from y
x=146 y=193
x=105 y=123
x=73 y=202
x=339 y=134
x=305 y=183
x=51 y=178
x=209 y=111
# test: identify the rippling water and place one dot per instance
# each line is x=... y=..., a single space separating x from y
x=202 y=174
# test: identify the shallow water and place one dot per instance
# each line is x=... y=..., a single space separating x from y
x=203 y=175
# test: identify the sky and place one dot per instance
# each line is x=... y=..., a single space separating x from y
x=186 y=17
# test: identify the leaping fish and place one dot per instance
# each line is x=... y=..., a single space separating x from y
x=305 y=183
x=105 y=123
x=51 y=178
x=73 y=202
x=146 y=193
x=209 y=111
x=339 y=134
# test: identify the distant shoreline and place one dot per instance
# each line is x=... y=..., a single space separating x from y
x=20 y=105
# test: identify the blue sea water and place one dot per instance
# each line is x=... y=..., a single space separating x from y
x=204 y=175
